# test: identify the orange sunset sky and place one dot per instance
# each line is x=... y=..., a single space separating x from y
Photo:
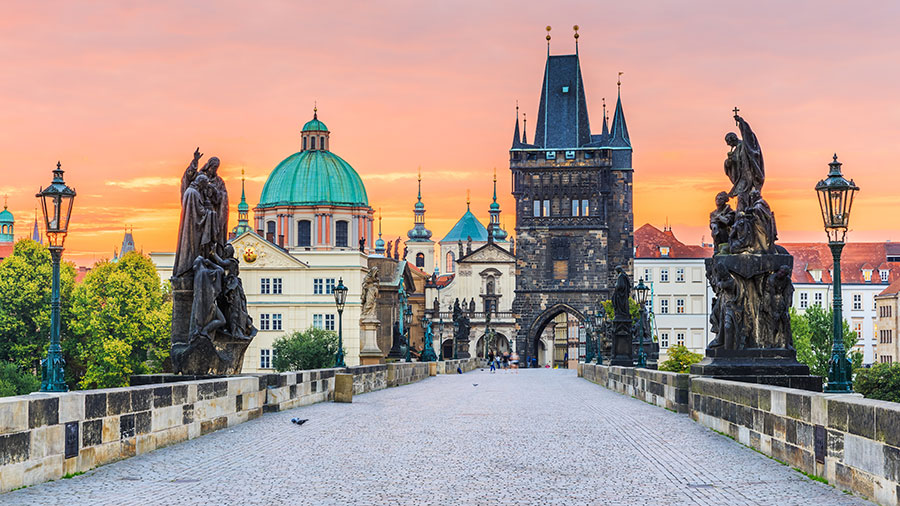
x=122 y=93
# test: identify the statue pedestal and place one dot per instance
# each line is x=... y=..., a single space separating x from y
x=370 y=354
x=621 y=350
x=766 y=366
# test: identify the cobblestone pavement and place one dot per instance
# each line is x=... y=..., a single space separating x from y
x=537 y=437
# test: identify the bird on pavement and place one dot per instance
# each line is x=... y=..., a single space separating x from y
x=299 y=421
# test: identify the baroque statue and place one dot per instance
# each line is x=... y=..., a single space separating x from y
x=211 y=327
x=369 y=295
x=750 y=276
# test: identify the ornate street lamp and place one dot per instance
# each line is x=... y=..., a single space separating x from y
x=640 y=293
x=601 y=333
x=340 y=297
x=407 y=323
x=56 y=203
x=835 y=200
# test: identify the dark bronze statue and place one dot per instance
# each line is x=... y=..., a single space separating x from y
x=720 y=221
x=211 y=327
x=621 y=295
x=744 y=163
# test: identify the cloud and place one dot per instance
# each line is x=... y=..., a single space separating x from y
x=145 y=183
x=437 y=174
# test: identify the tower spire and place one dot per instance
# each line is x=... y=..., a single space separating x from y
x=495 y=232
x=419 y=233
x=379 y=243
x=619 y=135
x=468 y=198
x=548 y=40
x=605 y=132
x=524 y=128
x=516 y=136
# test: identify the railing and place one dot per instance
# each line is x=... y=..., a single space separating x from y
x=476 y=315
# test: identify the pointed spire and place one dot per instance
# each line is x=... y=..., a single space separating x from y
x=379 y=243
x=516 y=142
x=524 y=128
x=468 y=198
x=36 y=233
x=576 y=38
x=5 y=201
x=605 y=132
x=495 y=184
x=548 y=40
x=619 y=135
x=315 y=109
x=419 y=233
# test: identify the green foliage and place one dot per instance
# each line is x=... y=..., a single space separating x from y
x=813 y=338
x=679 y=359
x=633 y=308
x=881 y=381
x=121 y=321
x=310 y=349
x=14 y=381
x=25 y=284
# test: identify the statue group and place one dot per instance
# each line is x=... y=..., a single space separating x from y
x=462 y=326
x=750 y=276
x=211 y=327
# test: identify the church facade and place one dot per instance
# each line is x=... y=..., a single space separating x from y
x=573 y=193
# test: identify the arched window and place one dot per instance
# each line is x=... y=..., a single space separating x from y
x=304 y=144
x=322 y=142
x=420 y=260
x=270 y=231
x=304 y=235
x=450 y=261
x=340 y=234
x=312 y=142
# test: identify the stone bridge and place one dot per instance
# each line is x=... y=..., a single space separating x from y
x=455 y=439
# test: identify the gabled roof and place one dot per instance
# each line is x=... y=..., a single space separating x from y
x=648 y=240
x=481 y=254
x=467 y=226
x=892 y=289
x=256 y=240
x=443 y=280
x=855 y=257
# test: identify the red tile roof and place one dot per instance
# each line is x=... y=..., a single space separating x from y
x=856 y=257
x=648 y=240
x=892 y=289
x=444 y=280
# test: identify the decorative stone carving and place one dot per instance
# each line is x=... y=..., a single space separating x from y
x=370 y=295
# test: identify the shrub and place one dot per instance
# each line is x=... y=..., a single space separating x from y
x=14 y=381
x=881 y=381
x=310 y=349
x=680 y=359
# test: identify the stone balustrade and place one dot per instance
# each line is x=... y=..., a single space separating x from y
x=851 y=441
x=44 y=436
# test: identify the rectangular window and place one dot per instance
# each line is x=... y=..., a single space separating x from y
x=546 y=210
x=276 y=321
x=276 y=286
x=265 y=286
x=550 y=155
x=648 y=275
x=570 y=155
x=804 y=300
x=537 y=208
x=857 y=327
x=867 y=275
x=679 y=275
x=663 y=251
x=663 y=339
x=817 y=299
x=318 y=321
x=585 y=208
x=679 y=306
x=264 y=322
x=329 y=286
x=265 y=359
x=664 y=275
x=304 y=233
x=679 y=338
x=857 y=302
x=329 y=322
x=884 y=275
x=340 y=234
x=663 y=306
x=576 y=208
x=318 y=286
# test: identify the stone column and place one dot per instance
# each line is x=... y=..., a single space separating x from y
x=370 y=353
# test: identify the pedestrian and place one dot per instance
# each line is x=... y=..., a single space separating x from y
x=514 y=359
x=493 y=367
x=497 y=360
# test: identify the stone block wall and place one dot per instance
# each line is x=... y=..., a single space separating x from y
x=466 y=364
x=852 y=442
x=44 y=436
x=665 y=389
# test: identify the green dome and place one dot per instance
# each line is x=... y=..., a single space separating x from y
x=314 y=125
x=313 y=177
x=6 y=216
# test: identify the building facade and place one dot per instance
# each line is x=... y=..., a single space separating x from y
x=887 y=348
x=573 y=193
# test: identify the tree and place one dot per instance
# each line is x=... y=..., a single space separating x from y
x=121 y=322
x=812 y=332
x=679 y=359
x=881 y=381
x=14 y=381
x=25 y=285
x=310 y=349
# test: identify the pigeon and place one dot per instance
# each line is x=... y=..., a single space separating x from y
x=459 y=370
x=474 y=384
x=299 y=421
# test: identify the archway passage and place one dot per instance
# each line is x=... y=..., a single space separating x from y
x=553 y=339
x=448 y=349
x=498 y=344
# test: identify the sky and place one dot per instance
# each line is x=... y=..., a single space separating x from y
x=123 y=92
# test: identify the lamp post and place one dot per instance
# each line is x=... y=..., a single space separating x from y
x=407 y=321
x=56 y=203
x=601 y=333
x=640 y=293
x=835 y=200
x=340 y=297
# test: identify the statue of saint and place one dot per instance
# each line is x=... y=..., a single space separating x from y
x=744 y=163
x=218 y=198
x=195 y=229
x=191 y=172
x=233 y=301
x=621 y=295
x=206 y=317
x=764 y=229
x=776 y=313
x=369 y=294
x=720 y=221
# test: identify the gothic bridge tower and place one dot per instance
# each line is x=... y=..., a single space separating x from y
x=573 y=192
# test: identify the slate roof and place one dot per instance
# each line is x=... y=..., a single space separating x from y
x=562 y=120
x=648 y=240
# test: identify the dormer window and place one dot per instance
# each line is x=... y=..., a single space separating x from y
x=884 y=274
x=816 y=274
x=663 y=251
x=867 y=275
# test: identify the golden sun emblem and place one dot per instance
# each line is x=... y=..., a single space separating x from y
x=250 y=255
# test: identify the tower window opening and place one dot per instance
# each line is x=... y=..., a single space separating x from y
x=304 y=144
x=340 y=234
x=312 y=142
x=451 y=258
x=420 y=260
x=304 y=236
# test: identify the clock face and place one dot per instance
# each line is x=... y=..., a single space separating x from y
x=250 y=255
